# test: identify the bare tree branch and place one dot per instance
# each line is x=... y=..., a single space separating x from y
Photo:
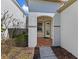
x=3 y=18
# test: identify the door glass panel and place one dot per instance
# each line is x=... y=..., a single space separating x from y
x=47 y=29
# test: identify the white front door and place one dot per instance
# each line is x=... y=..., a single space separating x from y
x=47 y=29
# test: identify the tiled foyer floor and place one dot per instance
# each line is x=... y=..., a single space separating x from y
x=44 y=41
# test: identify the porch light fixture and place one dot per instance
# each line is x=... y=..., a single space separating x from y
x=23 y=4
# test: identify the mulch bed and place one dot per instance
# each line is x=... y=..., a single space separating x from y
x=61 y=53
x=36 y=53
x=19 y=53
x=10 y=51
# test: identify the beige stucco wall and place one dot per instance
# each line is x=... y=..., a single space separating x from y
x=69 y=30
x=33 y=30
x=13 y=10
x=56 y=36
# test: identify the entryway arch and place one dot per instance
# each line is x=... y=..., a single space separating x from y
x=44 y=33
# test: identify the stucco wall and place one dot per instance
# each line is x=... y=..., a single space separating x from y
x=33 y=27
x=32 y=30
x=13 y=9
x=8 y=5
x=69 y=37
x=56 y=35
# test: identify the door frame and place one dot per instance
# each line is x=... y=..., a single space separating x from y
x=51 y=25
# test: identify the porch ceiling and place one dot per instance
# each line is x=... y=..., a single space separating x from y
x=43 y=6
x=47 y=6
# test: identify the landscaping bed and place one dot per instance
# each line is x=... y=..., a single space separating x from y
x=10 y=51
x=19 y=53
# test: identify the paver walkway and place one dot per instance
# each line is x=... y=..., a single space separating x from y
x=47 y=53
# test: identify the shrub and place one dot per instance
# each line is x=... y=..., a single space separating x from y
x=21 y=40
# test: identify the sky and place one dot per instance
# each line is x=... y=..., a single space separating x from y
x=23 y=6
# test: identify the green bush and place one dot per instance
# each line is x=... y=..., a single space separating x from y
x=21 y=39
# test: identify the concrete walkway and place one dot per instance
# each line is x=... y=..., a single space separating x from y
x=47 y=53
